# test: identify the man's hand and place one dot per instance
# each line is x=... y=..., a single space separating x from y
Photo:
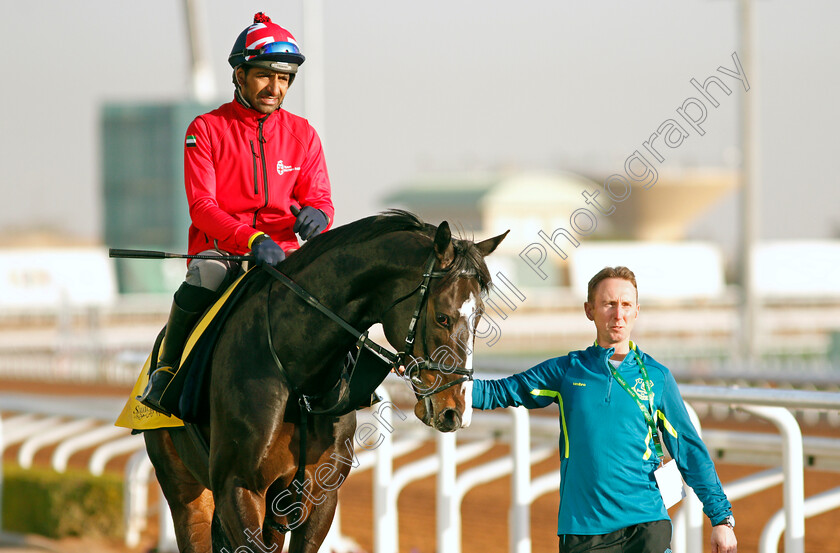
x=723 y=539
x=310 y=221
x=266 y=250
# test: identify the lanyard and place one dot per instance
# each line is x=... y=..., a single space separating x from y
x=646 y=410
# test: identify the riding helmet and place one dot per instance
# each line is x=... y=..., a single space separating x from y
x=267 y=45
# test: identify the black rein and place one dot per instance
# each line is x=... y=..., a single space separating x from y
x=363 y=340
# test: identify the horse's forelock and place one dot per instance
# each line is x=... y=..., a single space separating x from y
x=468 y=260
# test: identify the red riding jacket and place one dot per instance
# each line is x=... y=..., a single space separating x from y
x=244 y=169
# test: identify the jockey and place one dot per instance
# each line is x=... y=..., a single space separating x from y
x=254 y=174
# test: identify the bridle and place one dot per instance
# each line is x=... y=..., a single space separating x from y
x=401 y=359
x=363 y=341
x=406 y=359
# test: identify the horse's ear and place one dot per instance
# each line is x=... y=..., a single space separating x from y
x=486 y=247
x=444 y=250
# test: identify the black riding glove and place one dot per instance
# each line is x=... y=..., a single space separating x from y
x=266 y=250
x=310 y=221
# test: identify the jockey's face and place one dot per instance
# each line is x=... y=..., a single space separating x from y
x=263 y=88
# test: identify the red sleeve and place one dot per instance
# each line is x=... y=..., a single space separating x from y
x=313 y=184
x=200 y=182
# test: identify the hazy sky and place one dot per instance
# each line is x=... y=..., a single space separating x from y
x=426 y=87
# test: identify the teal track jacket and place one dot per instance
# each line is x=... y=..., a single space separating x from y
x=607 y=456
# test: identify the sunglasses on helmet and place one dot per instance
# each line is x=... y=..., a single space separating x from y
x=273 y=48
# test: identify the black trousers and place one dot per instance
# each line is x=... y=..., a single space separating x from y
x=648 y=537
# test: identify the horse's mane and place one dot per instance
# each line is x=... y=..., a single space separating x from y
x=467 y=257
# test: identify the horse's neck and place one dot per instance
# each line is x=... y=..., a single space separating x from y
x=357 y=290
x=364 y=289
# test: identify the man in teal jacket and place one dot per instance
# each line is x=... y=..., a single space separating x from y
x=612 y=398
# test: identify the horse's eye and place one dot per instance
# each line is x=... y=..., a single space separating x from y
x=442 y=319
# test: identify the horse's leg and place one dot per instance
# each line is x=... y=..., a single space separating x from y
x=239 y=485
x=308 y=537
x=241 y=511
x=190 y=502
x=326 y=474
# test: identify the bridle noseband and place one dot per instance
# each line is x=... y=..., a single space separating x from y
x=426 y=363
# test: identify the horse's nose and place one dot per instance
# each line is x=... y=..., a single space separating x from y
x=449 y=420
x=423 y=412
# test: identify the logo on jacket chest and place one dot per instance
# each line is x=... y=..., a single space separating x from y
x=282 y=168
x=641 y=391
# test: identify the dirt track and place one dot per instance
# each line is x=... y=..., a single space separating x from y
x=485 y=509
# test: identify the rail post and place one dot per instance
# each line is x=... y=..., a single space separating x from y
x=793 y=487
x=448 y=522
x=520 y=514
x=136 y=496
x=814 y=505
x=693 y=506
x=384 y=519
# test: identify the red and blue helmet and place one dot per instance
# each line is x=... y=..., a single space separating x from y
x=266 y=44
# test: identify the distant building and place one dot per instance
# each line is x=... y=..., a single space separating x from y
x=556 y=212
x=486 y=202
x=145 y=206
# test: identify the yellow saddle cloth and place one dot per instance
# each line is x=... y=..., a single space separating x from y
x=137 y=416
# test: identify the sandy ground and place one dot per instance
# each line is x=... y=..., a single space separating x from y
x=485 y=509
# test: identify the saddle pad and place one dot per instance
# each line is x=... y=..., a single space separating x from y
x=137 y=416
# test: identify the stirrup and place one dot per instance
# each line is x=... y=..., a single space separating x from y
x=158 y=381
x=374 y=399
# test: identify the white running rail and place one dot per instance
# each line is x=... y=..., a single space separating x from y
x=531 y=439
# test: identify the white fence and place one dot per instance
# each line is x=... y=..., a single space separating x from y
x=72 y=427
x=773 y=405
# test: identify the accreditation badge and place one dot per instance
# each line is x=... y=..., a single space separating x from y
x=670 y=483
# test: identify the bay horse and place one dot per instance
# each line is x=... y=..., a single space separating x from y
x=256 y=480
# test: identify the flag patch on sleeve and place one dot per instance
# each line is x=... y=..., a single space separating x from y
x=191 y=142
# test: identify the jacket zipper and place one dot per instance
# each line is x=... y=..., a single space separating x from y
x=262 y=155
x=254 y=162
x=264 y=170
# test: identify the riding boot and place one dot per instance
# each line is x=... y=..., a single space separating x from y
x=188 y=305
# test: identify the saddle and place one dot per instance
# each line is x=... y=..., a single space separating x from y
x=187 y=395
x=183 y=395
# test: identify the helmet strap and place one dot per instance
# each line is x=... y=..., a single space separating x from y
x=237 y=92
x=240 y=98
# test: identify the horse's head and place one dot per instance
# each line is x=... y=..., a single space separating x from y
x=438 y=348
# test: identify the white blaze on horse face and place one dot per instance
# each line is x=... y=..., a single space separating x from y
x=466 y=389
x=467 y=311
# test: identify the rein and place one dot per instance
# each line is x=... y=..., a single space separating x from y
x=363 y=340
x=426 y=364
